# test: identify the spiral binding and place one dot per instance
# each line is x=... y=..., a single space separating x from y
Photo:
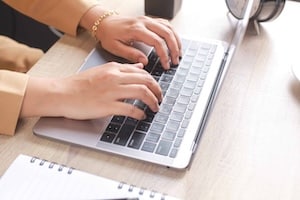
x=141 y=190
x=51 y=165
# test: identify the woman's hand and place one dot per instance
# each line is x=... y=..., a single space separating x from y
x=116 y=34
x=93 y=93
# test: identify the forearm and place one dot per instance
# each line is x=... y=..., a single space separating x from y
x=43 y=97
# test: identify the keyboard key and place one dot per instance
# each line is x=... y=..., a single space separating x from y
x=194 y=98
x=157 y=71
x=149 y=115
x=185 y=123
x=171 y=71
x=131 y=121
x=177 y=116
x=182 y=71
x=188 y=58
x=169 y=135
x=163 y=147
x=166 y=78
x=173 y=153
x=199 y=63
x=153 y=137
x=191 y=106
x=184 y=64
x=181 y=133
x=118 y=119
x=195 y=45
x=149 y=147
x=177 y=142
x=166 y=109
x=188 y=114
x=173 y=125
x=157 y=128
x=179 y=107
x=179 y=78
x=173 y=93
x=164 y=87
x=169 y=100
x=176 y=85
x=136 y=140
x=183 y=99
x=108 y=137
x=143 y=126
x=152 y=59
x=124 y=134
x=161 y=118
x=190 y=84
x=113 y=128
x=192 y=77
x=187 y=92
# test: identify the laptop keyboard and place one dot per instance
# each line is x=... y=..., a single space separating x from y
x=162 y=132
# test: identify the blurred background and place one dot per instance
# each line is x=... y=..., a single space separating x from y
x=25 y=30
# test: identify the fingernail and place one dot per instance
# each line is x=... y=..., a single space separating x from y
x=167 y=65
x=157 y=107
x=176 y=60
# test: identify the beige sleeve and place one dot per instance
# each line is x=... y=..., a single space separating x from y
x=64 y=15
x=16 y=56
x=12 y=90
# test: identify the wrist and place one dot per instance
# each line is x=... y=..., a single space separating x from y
x=92 y=19
x=97 y=23
x=42 y=98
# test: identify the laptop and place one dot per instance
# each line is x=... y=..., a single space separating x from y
x=169 y=137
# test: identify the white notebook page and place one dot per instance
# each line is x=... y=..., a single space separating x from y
x=37 y=180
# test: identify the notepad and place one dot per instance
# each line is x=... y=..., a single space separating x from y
x=34 y=178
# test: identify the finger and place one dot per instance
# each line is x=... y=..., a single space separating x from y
x=126 y=109
x=164 y=30
x=125 y=68
x=143 y=34
x=158 y=43
x=133 y=74
x=129 y=53
x=141 y=77
x=167 y=23
x=132 y=68
x=140 y=92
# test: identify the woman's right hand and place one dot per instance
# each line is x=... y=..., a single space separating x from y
x=94 y=93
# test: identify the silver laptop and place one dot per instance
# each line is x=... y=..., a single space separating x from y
x=170 y=136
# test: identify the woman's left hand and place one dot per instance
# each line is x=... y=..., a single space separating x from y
x=118 y=32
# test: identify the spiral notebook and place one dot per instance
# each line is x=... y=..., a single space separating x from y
x=34 y=178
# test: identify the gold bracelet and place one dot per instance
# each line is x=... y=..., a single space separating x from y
x=99 y=20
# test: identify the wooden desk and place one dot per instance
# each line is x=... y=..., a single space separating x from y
x=251 y=146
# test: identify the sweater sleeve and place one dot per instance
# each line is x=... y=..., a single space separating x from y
x=18 y=57
x=12 y=90
x=64 y=15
